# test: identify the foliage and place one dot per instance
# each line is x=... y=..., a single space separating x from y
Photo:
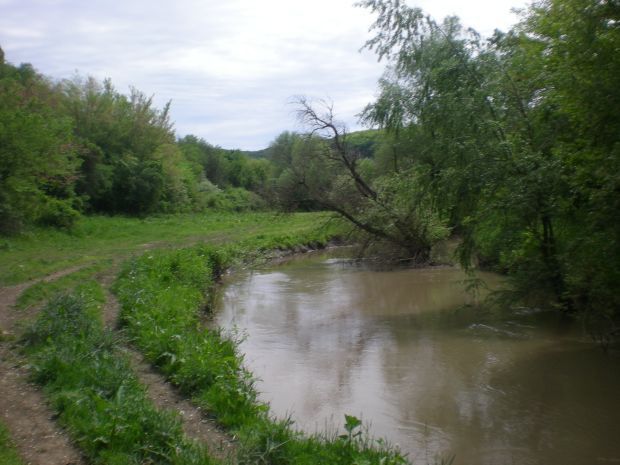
x=226 y=168
x=514 y=141
x=82 y=146
x=162 y=294
x=325 y=169
x=92 y=387
x=121 y=136
x=297 y=172
x=578 y=40
x=234 y=199
x=37 y=153
x=364 y=142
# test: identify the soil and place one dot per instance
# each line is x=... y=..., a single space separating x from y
x=39 y=439
x=196 y=423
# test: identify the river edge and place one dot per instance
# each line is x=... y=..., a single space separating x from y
x=482 y=332
x=206 y=364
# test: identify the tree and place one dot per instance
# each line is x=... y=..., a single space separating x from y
x=390 y=208
x=578 y=42
x=516 y=138
x=37 y=153
x=115 y=132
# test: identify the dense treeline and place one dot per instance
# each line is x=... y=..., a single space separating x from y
x=79 y=146
x=511 y=143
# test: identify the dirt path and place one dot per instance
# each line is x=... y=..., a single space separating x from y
x=164 y=395
x=196 y=424
x=23 y=409
x=38 y=438
x=11 y=320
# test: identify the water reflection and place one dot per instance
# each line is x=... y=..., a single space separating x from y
x=399 y=349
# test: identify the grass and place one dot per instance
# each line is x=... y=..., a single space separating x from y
x=94 y=239
x=162 y=294
x=45 y=290
x=8 y=453
x=91 y=386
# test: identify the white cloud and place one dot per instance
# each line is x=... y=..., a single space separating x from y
x=229 y=67
x=17 y=33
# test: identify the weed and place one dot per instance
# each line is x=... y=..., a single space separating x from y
x=94 y=391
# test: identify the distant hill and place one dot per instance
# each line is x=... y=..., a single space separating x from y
x=264 y=153
x=365 y=141
x=362 y=141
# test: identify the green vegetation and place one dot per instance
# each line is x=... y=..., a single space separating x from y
x=8 y=454
x=96 y=239
x=515 y=140
x=86 y=377
x=164 y=295
x=43 y=291
x=365 y=143
x=80 y=146
x=37 y=158
x=510 y=144
x=91 y=386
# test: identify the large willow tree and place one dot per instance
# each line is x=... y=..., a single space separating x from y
x=518 y=138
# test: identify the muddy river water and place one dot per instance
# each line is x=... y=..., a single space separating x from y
x=402 y=350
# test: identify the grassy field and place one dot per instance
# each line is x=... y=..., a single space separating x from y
x=90 y=384
x=171 y=265
x=94 y=240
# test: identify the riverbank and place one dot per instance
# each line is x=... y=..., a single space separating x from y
x=204 y=365
x=162 y=296
x=422 y=361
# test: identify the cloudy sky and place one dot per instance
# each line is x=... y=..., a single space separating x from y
x=230 y=67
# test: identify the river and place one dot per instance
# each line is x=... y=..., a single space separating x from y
x=407 y=352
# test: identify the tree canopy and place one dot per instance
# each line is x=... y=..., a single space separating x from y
x=519 y=138
x=510 y=143
x=80 y=146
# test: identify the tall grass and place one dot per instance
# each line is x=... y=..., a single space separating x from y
x=92 y=387
x=162 y=294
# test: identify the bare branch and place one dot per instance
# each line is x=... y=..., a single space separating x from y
x=326 y=125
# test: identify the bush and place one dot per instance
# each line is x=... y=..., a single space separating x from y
x=58 y=213
x=235 y=199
